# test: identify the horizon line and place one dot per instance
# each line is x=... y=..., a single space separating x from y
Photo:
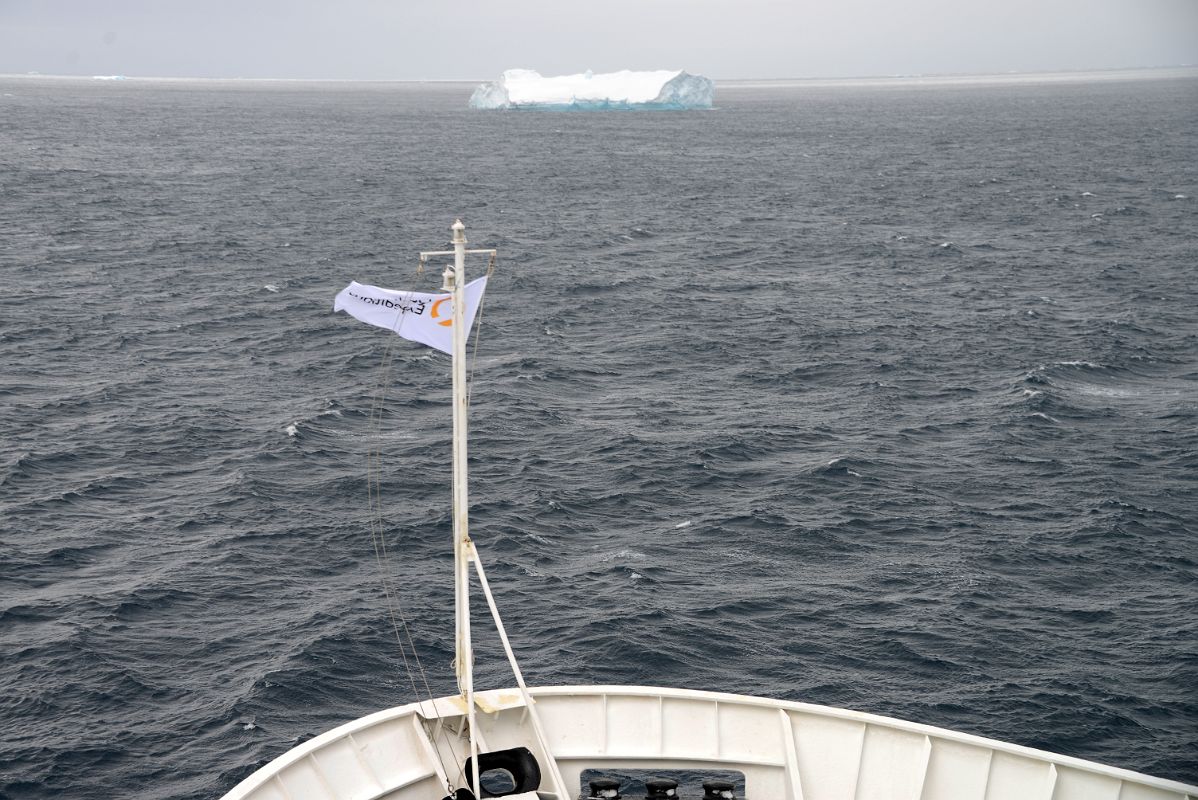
x=944 y=76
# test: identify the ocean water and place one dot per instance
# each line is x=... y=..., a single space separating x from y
x=874 y=397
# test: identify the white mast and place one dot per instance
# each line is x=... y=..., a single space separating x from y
x=455 y=282
x=464 y=553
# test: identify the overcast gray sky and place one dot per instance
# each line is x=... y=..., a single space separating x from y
x=476 y=39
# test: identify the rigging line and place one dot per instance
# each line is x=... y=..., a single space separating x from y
x=374 y=494
x=478 y=327
x=377 y=523
x=423 y=700
x=386 y=556
x=378 y=539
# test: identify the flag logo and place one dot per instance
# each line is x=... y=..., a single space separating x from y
x=449 y=320
x=418 y=316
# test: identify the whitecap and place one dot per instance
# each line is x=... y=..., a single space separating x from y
x=270 y=287
x=623 y=555
x=686 y=524
x=292 y=429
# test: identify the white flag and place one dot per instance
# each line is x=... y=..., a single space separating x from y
x=419 y=316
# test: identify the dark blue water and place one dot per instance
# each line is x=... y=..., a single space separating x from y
x=876 y=398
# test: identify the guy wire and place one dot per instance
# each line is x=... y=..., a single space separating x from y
x=378 y=525
x=382 y=556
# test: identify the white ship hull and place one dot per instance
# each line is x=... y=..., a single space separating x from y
x=785 y=750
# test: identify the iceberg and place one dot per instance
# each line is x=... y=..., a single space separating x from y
x=625 y=90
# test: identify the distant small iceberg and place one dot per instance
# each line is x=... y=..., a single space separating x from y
x=670 y=90
x=109 y=78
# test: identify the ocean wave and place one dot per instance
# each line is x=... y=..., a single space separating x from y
x=902 y=488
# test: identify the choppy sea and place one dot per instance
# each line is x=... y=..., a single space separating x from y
x=882 y=397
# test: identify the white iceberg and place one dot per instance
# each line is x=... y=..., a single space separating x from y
x=657 y=89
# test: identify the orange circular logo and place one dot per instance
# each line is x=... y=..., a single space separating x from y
x=435 y=313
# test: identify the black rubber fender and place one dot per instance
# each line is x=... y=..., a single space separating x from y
x=519 y=761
